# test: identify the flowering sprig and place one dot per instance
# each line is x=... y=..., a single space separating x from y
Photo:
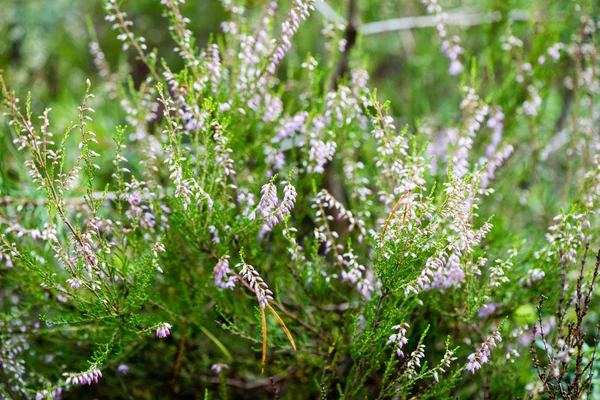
x=326 y=201
x=451 y=48
x=399 y=339
x=482 y=355
x=498 y=272
x=257 y=284
x=223 y=275
x=181 y=34
x=299 y=12
x=269 y=207
x=83 y=378
x=122 y=25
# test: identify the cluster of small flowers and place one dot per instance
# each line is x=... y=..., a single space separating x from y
x=335 y=38
x=289 y=199
x=191 y=118
x=342 y=107
x=564 y=352
x=267 y=204
x=451 y=48
x=223 y=277
x=295 y=249
x=299 y=12
x=487 y=309
x=392 y=150
x=157 y=247
x=354 y=173
x=163 y=330
x=181 y=34
x=482 y=356
x=356 y=274
x=445 y=268
x=144 y=108
x=110 y=81
x=269 y=207
x=246 y=202
x=86 y=252
x=213 y=66
x=554 y=51
x=83 y=378
x=320 y=153
x=455 y=147
x=463 y=143
x=498 y=271
x=491 y=164
x=142 y=210
x=6 y=257
x=285 y=138
x=359 y=79
x=222 y=150
x=261 y=289
x=398 y=340
x=120 y=23
x=324 y=200
x=445 y=363
x=14 y=348
x=533 y=103
x=526 y=336
x=290 y=126
x=186 y=189
x=415 y=360
x=566 y=237
x=56 y=393
x=510 y=42
x=254 y=48
x=533 y=275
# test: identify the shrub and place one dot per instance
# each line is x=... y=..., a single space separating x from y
x=279 y=230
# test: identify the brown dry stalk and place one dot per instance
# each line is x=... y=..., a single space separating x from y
x=180 y=352
x=264 y=322
x=389 y=218
x=264 y=343
x=285 y=328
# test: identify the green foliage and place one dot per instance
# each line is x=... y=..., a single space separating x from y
x=217 y=209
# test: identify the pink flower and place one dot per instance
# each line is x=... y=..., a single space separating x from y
x=163 y=330
x=83 y=378
x=219 y=367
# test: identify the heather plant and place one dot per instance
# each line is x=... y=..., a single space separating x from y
x=264 y=224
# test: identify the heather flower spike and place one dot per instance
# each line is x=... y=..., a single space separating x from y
x=482 y=355
x=82 y=378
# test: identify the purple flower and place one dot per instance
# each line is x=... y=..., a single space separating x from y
x=223 y=277
x=483 y=355
x=261 y=289
x=268 y=200
x=75 y=283
x=399 y=339
x=163 y=330
x=219 y=367
x=473 y=365
x=289 y=198
x=83 y=378
x=123 y=369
